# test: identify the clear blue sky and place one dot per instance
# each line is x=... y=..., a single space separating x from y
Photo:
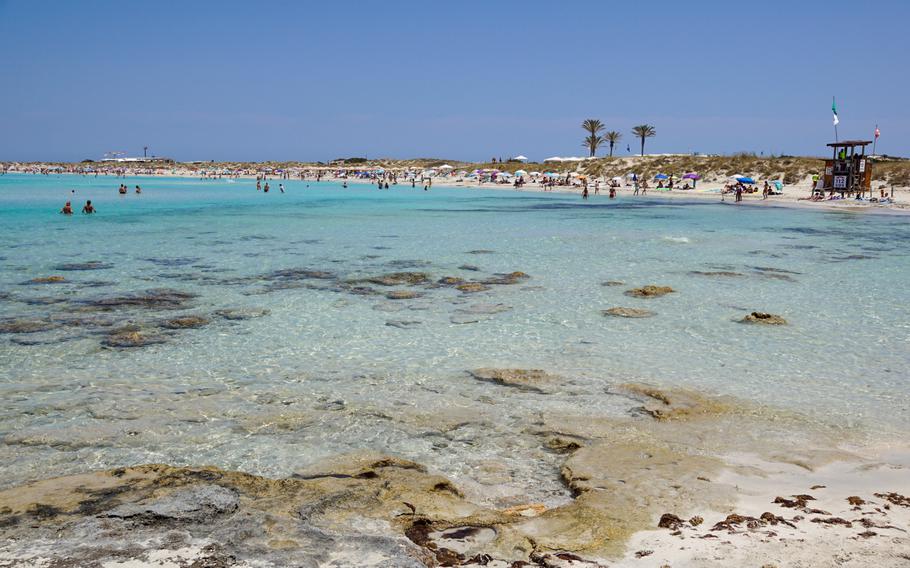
x=464 y=80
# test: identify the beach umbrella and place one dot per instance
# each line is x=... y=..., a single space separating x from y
x=521 y=158
x=694 y=177
x=446 y=167
x=553 y=159
x=661 y=176
x=521 y=173
x=745 y=180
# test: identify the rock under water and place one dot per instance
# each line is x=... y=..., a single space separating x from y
x=628 y=313
x=763 y=318
x=650 y=291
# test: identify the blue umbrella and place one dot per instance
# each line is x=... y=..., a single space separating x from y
x=661 y=176
x=745 y=180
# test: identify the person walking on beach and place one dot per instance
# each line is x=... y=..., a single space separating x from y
x=88 y=208
x=67 y=209
x=634 y=184
x=739 y=192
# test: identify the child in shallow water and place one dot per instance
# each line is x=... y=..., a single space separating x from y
x=67 y=209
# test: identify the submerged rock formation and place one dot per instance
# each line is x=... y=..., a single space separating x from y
x=763 y=318
x=628 y=313
x=674 y=404
x=402 y=295
x=397 y=279
x=471 y=287
x=47 y=280
x=533 y=380
x=131 y=336
x=650 y=291
x=185 y=322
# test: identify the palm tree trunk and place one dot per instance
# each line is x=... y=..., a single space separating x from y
x=611 y=149
x=642 y=146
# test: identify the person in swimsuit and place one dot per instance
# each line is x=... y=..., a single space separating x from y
x=281 y=187
x=67 y=209
x=138 y=189
x=584 y=193
x=122 y=189
x=88 y=208
x=266 y=188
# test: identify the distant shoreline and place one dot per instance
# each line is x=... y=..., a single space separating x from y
x=704 y=191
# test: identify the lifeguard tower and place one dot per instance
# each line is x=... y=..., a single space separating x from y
x=849 y=171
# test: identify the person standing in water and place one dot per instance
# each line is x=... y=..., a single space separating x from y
x=281 y=187
x=258 y=185
x=67 y=209
x=266 y=188
x=122 y=189
x=584 y=193
x=138 y=189
x=88 y=208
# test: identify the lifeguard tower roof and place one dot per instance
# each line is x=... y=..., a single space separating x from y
x=849 y=143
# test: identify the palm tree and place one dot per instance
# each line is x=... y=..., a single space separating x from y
x=612 y=137
x=644 y=131
x=593 y=127
x=592 y=142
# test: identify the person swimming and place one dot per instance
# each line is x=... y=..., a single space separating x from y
x=138 y=189
x=122 y=189
x=88 y=208
x=67 y=209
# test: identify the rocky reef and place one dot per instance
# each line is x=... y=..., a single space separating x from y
x=628 y=313
x=650 y=291
x=762 y=318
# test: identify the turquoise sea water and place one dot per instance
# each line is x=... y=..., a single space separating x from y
x=330 y=369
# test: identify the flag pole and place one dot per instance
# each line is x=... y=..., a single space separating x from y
x=836 y=120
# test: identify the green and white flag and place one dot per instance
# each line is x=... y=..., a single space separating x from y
x=834 y=110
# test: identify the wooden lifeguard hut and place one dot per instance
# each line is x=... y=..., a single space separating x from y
x=849 y=171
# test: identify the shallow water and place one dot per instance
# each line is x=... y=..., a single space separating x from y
x=328 y=370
